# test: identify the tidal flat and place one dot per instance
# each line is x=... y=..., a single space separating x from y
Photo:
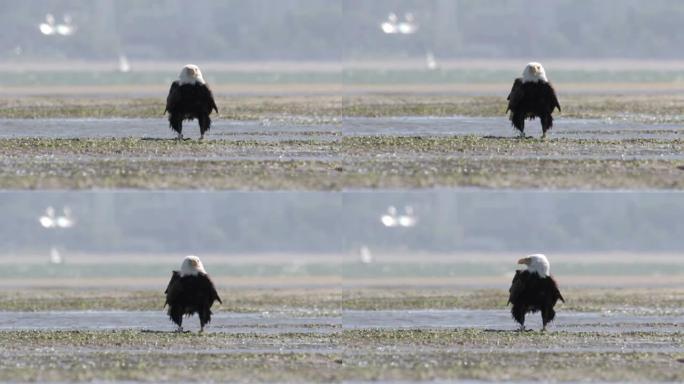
x=336 y=163
x=303 y=143
x=235 y=300
x=318 y=109
x=348 y=351
x=368 y=355
x=332 y=299
x=654 y=108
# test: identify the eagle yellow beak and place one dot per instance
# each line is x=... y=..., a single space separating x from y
x=524 y=260
x=193 y=262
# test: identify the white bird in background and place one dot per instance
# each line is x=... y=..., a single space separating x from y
x=408 y=26
x=48 y=27
x=390 y=25
x=66 y=29
x=55 y=257
x=430 y=61
x=49 y=220
x=408 y=219
x=392 y=219
x=389 y=219
x=66 y=220
x=124 y=65
x=366 y=255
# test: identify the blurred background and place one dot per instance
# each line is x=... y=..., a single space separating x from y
x=321 y=30
x=338 y=47
x=316 y=238
x=280 y=43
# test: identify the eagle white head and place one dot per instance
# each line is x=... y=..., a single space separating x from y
x=537 y=263
x=534 y=72
x=190 y=74
x=192 y=266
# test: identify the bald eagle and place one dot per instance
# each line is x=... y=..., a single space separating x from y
x=534 y=289
x=190 y=291
x=190 y=98
x=532 y=96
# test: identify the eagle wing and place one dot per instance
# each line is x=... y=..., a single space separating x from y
x=551 y=95
x=516 y=95
x=517 y=287
x=553 y=287
x=174 y=289
x=173 y=98
x=207 y=286
x=208 y=96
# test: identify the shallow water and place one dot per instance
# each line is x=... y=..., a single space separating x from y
x=274 y=130
x=265 y=130
x=281 y=322
x=500 y=320
x=500 y=127
x=259 y=323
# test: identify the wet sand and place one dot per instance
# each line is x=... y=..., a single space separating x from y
x=265 y=322
x=354 y=345
x=324 y=160
x=367 y=141
x=500 y=320
x=274 y=131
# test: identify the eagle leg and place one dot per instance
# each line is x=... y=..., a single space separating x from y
x=176 y=123
x=518 y=122
x=179 y=329
x=205 y=125
x=546 y=123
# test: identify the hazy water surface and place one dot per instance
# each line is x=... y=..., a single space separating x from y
x=394 y=234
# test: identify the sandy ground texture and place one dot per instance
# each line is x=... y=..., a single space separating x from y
x=599 y=335
x=356 y=162
x=644 y=107
x=319 y=154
